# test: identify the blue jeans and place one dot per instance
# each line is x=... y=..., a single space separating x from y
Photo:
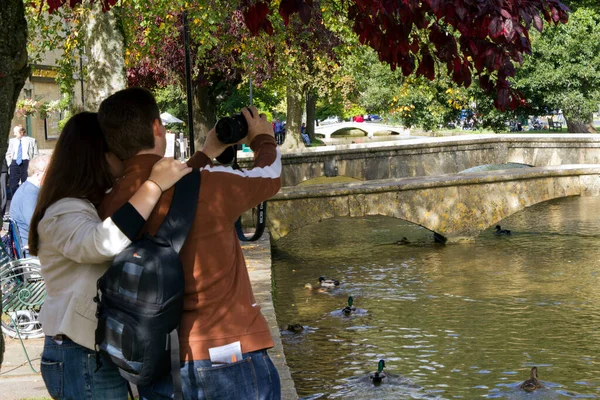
x=255 y=377
x=69 y=372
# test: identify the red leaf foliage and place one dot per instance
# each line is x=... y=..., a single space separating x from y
x=289 y=7
x=481 y=37
x=165 y=62
x=256 y=20
x=53 y=5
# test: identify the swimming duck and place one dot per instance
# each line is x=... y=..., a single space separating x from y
x=328 y=283
x=532 y=383
x=316 y=288
x=349 y=309
x=402 y=241
x=377 y=377
x=500 y=231
x=295 y=328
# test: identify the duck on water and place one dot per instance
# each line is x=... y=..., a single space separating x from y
x=500 y=231
x=532 y=383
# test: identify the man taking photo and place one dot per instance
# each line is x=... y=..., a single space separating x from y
x=219 y=306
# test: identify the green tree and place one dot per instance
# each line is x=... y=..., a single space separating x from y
x=562 y=72
x=81 y=31
x=223 y=55
x=377 y=84
x=576 y=4
x=13 y=72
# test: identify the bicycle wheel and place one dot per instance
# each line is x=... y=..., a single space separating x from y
x=23 y=293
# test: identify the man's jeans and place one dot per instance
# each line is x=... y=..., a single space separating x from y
x=255 y=377
x=69 y=372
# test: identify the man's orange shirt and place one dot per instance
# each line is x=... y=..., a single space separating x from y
x=219 y=306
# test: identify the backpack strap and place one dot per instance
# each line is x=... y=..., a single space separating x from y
x=181 y=214
x=175 y=365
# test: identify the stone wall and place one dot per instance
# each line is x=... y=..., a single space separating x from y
x=437 y=156
x=456 y=207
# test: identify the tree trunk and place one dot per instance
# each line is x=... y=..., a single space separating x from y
x=205 y=114
x=577 y=126
x=13 y=73
x=295 y=105
x=105 y=48
x=311 y=105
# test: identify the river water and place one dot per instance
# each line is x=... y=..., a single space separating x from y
x=465 y=320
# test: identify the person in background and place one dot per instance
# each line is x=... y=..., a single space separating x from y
x=75 y=248
x=3 y=184
x=24 y=200
x=304 y=135
x=219 y=305
x=21 y=149
x=279 y=131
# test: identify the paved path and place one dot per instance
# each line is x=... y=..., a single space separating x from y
x=17 y=381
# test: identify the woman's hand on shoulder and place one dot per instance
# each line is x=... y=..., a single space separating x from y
x=168 y=171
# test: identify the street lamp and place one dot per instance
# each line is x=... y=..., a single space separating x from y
x=188 y=80
x=79 y=75
x=82 y=58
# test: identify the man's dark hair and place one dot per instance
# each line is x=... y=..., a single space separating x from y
x=126 y=119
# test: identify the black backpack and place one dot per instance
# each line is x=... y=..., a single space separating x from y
x=140 y=297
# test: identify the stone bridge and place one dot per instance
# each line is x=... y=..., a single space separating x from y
x=416 y=156
x=370 y=128
x=454 y=207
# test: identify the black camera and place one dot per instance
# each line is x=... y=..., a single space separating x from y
x=231 y=130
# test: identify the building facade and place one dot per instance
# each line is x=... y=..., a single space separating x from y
x=42 y=88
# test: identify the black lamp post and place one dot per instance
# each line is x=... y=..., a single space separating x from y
x=81 y=78
x=188 y=81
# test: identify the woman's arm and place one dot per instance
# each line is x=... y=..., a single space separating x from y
x=165 y=174
x=76 y=231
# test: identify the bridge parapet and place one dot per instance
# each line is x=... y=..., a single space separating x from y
x=435 y=156
x=457 y=206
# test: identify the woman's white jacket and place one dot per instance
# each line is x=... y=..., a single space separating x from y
x=75 y=249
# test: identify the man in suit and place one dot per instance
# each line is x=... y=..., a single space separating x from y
x=21 y=149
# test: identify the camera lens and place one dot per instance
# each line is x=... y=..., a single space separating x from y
x=232 y=129
x=226 y=156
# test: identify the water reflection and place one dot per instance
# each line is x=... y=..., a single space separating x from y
x=456 y=321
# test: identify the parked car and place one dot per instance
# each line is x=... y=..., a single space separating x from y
x=330 y=120
x=373 y=118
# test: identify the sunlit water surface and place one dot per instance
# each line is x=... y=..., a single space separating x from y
x=464 y=320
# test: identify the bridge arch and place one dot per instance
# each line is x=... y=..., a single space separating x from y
x=341 y=131
x=370 y=128
x=455 y=207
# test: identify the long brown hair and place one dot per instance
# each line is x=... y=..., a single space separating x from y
x=78 y=168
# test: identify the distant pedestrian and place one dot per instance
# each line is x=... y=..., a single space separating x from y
x=3 y=184
x=279 y=132
x=304 y=135
x=21 y=149
x=25 y=198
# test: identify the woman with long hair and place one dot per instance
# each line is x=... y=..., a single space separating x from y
x=75 y=248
